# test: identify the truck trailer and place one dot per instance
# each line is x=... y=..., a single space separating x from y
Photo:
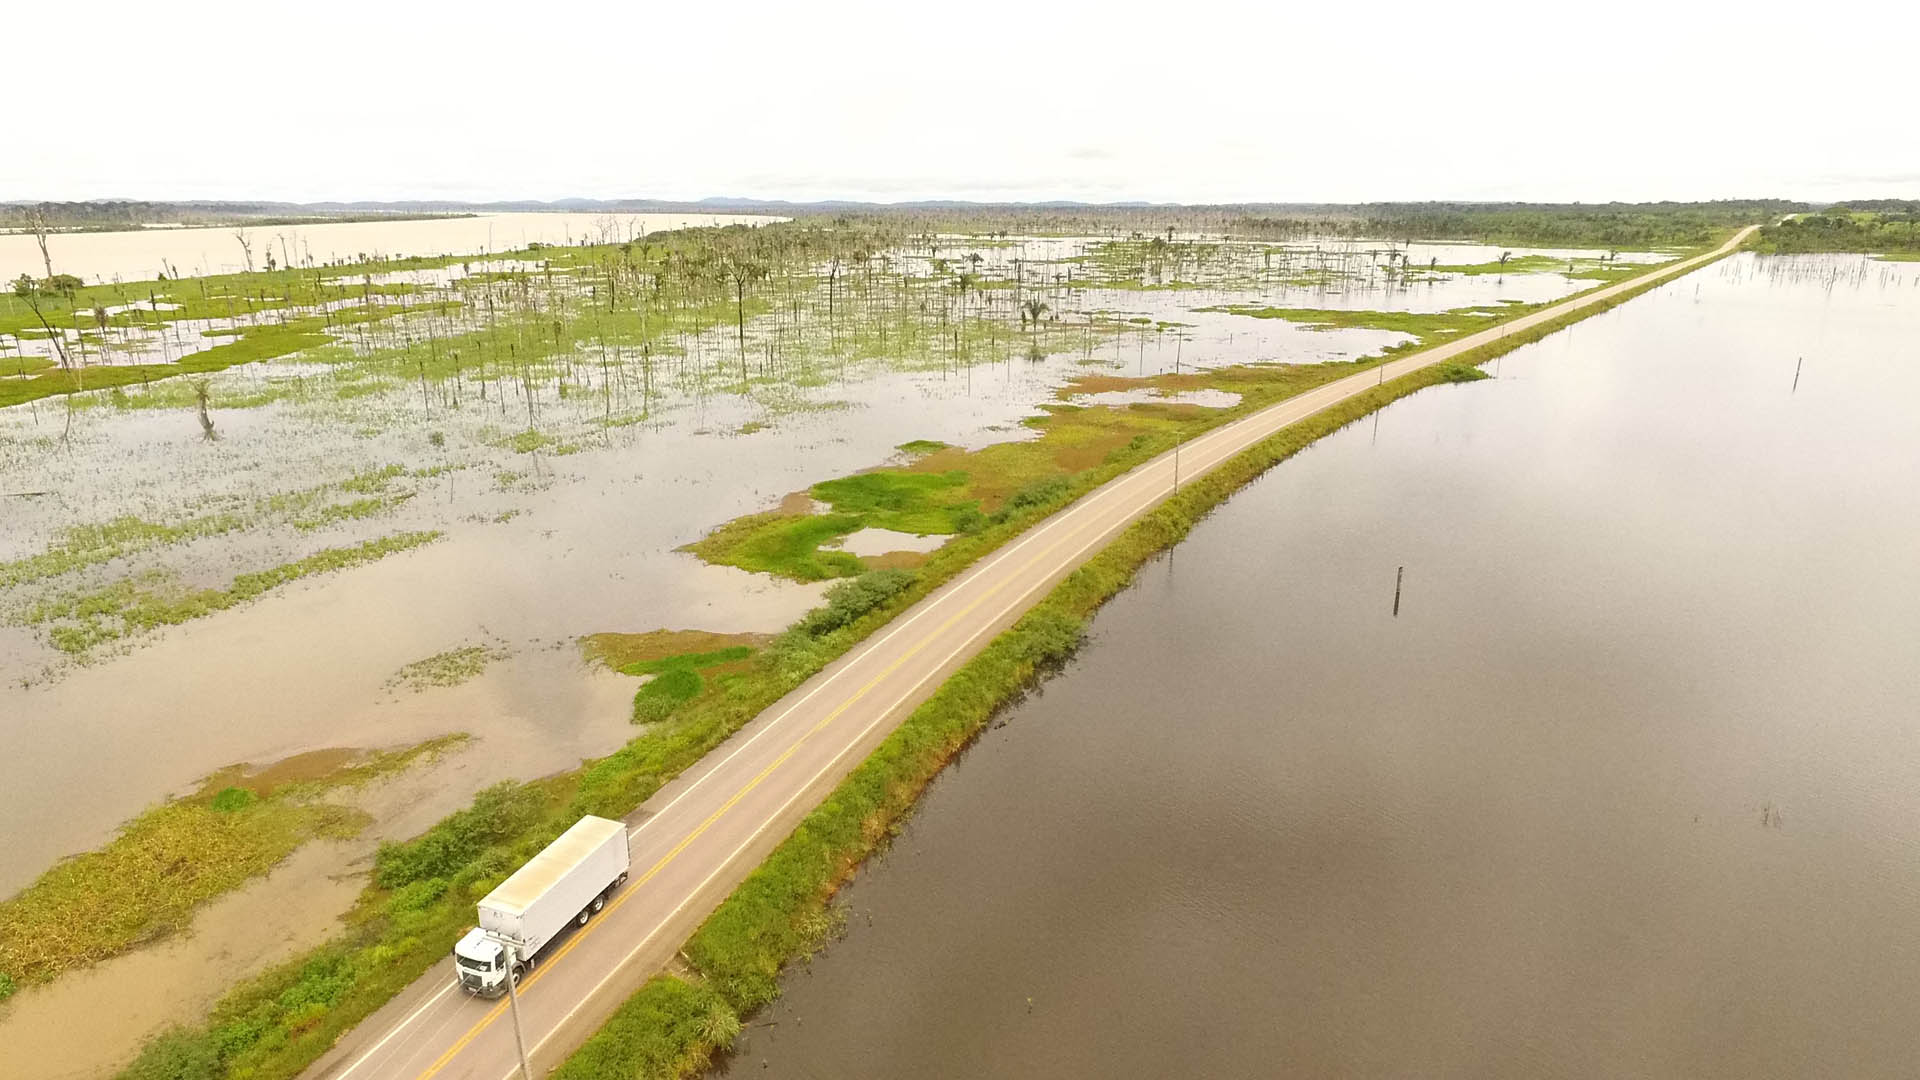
x=569 y=881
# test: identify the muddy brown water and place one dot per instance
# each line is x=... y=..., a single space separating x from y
x=139 y=254
x=1630 y=787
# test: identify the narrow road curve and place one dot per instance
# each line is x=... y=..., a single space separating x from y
x=701 y=835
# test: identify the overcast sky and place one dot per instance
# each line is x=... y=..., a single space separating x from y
x=1173 y=101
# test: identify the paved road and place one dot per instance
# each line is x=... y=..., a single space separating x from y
x=701 y=835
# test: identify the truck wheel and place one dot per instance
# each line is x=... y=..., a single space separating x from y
x=518 y=970
x=599 y=902
x=585 y=914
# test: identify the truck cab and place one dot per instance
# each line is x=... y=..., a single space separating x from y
x=480 y=964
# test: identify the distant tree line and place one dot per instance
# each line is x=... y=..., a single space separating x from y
x=1589 y=225
x=1595 y=225
x=112 y=215
x=1869 y=225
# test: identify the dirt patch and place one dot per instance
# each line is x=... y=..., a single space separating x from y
x=1101 y=384
x=897 y=560
x=619 y=650
x=314 y=765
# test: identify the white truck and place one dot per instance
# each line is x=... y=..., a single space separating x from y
x=569 y=881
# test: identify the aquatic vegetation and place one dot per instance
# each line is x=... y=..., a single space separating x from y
x=147 y=882
x=1425 y=327
x=621 y=651
x=953 y=491
x=77 y=622
x=449 y=668
x=306 y=509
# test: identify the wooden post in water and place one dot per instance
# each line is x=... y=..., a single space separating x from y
x=1398 y=576
x=1796 y=376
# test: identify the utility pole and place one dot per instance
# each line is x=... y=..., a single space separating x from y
x=512 y=950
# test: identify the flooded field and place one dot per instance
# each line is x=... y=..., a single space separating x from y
x=1627 y=786
x=139 y=254
x=404 y=527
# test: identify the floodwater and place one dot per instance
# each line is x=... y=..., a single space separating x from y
x=1629 y=787
x=539 y=548
x=141 y=254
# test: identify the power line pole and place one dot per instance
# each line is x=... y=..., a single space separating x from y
x=513 y=998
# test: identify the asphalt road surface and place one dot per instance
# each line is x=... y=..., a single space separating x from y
x=701 y=835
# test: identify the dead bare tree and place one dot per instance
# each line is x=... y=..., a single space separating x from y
x=246 y=246
x=39 y=225
x=28 y=289
x=744 y=270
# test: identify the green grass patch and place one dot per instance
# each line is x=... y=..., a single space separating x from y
x=784 y=544
x=914 y=502
x=1459 y=373
x=669 y=1029
x=665 y=692
x=255 y=343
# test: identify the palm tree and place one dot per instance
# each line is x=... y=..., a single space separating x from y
x=1031 y=311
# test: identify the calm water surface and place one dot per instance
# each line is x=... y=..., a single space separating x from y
x=140 y=254
x=1630 y=787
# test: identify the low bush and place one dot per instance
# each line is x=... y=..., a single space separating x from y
x=849 y=600
x=498 y=815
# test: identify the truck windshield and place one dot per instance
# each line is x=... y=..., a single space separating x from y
x=471 y=964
